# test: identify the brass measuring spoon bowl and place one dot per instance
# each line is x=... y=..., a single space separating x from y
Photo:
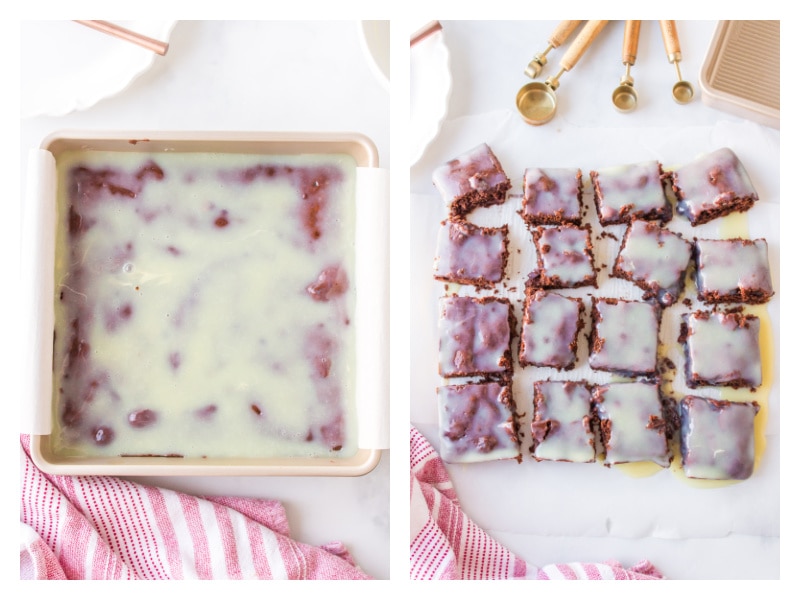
x=536 y=101
x=558 y=37
x=624 y=95
x=682 y=91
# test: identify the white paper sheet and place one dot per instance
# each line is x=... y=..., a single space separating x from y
x=558 y=499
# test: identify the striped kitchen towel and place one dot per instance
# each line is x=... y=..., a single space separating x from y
x=110 y=528
x=447 y=544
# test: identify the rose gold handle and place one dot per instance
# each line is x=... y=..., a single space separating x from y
x=562 y=32
x=671 y=44
x=581 y=43
x=126 y=34
x=630 y=43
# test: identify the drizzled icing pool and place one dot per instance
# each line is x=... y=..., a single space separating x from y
x=204 y=305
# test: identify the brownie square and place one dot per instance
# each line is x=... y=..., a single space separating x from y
x=711 y=186
x=655 y=259
x=550 y=327
x=721 y=349
x=565 y=257
x=624 y=336
x=733 y=270
x=561 y=428
x=475 y=336
x=471 y=180
x=624 y=192
x=717 y=438
x=477 y=422
x=552 y=196
x=471 y=255
x=632 y=423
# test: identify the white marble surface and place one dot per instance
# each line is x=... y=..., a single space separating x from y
x=487 y=62
x=271 y=77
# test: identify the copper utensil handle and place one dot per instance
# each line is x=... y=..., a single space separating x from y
x=581 y=43
x=562 y=32
x=156 y=46
x=425 y=31
x=630 y=43
x=671 y=44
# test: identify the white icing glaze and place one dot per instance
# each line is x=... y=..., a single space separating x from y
x=476 y=423
x=475 y=170
x=629 y=407
x=464 y=252
x=732 y=266
x=548 y=191
x=717 y=438
x=637 y=186
x=569 y=404
x=474 y=337
x=192 y=302
x=549 y=327
x=563 y=253
x=629 y=330
x=655 y=256
x=711 y=180
x=721 y=350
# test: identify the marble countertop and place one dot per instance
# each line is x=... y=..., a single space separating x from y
x=270 y=77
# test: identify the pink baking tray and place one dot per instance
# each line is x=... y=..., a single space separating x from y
x=372 y=384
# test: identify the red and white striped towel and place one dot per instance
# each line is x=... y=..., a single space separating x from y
x=447 y=544
x=109 y=528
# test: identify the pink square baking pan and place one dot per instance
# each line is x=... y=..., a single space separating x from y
x=206 y=303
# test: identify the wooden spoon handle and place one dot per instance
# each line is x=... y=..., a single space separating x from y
x=671 y=44
x=630 y=43
x=562 y=32
x=581 y=43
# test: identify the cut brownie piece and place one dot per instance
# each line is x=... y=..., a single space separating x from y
x=471 y=255
x=734 y=270
x=552 y=196
x=711 y=186
x=550 y=327
x=565 y=257
x=561 y=427
x=624 y=336
x=655 y=259
x=624 y=192
x=721 y=349
x=475 y=336
x=717 y=438
x=471 y=180
x=632 y=424
x=477 y=422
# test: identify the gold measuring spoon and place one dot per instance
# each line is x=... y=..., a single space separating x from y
x=624 y=95
x=536 y=101
x=558 y=37
x=682 y=91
